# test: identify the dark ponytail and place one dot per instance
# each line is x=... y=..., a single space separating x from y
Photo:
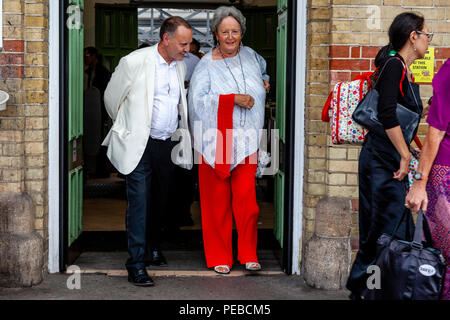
x=399 y=32
x=383 y=54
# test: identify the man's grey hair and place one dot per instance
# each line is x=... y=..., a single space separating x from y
x=226 y=11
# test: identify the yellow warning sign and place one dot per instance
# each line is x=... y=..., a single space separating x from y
x=423 y=69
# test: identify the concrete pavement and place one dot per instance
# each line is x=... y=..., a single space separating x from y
x=104 y=287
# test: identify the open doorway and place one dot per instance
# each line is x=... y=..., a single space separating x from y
x=120 y=29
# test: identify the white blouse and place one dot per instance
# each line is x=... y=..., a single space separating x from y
x=212 y=78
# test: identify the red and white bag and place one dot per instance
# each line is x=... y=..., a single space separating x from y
x=339 y=108
x=341 y=104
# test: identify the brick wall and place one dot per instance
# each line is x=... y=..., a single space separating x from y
x=24 y=124
x=342 y=43
x=317 y=87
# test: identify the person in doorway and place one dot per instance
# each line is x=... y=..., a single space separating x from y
x=146 y=99
x=226 y=97
x=95 y=117
x=191 y=59
x=432 y=194
x=195 y=49
x=383 y=162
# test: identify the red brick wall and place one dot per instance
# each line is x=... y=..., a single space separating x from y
x=347 y=61
x=12 y=59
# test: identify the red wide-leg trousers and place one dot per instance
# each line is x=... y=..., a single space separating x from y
x=220 y=199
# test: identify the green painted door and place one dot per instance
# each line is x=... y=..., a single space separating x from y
x=282 y=5
x=75 y=118
x=116 y=32
x=280 y=118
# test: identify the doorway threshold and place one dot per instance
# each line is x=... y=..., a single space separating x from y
x=179 y=273
x=180 y=263
x=106 y=253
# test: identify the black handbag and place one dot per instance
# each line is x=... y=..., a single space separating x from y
x=408 y=270
x=366 y=114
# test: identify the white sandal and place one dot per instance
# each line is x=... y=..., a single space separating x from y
x=224 y=266
x=252 y=266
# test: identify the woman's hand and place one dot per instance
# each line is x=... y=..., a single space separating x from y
x=396 y=136
x=417 y=197
x=266 y=85
x=401 y=173
x=244 y=100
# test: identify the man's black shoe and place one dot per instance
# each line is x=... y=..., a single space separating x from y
x=140 y=277
x=157 y=259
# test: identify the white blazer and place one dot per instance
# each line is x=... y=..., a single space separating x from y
x=129 y=103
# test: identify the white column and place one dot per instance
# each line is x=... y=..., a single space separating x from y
x=299 y=147
x=1 y=25
x=53 y=139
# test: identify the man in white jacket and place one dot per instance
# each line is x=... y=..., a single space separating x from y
x=146 y=99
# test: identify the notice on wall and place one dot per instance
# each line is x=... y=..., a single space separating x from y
x=423 y=69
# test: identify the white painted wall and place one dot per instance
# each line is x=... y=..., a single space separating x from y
x=1 y=25
x=53 y=139
x=299 y=146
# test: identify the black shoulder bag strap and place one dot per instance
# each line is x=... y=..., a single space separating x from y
x=421 y=226
x=406 y=71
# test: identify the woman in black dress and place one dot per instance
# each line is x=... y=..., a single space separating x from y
x=384 y=161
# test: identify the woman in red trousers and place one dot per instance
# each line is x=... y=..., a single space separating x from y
x=226 y=113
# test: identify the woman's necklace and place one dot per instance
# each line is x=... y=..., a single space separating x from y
x=237 y=85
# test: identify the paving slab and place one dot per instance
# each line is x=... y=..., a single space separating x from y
x=104 y=287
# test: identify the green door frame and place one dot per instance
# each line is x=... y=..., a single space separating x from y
x=285 y=120
x=71 y=128
x=280 y=119
x=291 y=76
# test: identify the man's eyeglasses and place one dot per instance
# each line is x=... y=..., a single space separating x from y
x=429 y=34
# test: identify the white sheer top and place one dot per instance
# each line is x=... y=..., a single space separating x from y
x=212 y=78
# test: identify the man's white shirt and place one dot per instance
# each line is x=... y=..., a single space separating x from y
x=166 y=99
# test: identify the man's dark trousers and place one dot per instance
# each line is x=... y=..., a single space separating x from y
x=146 y=208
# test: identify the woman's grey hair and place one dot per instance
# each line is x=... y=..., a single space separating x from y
x=221 y=13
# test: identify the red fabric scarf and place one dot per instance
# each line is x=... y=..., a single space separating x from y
x=224 y=135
